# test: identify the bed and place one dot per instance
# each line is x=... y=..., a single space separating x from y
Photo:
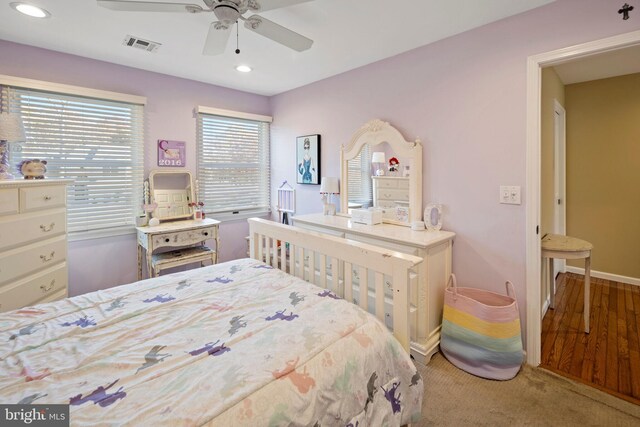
x=238 y=343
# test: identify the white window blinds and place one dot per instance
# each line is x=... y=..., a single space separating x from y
x=233 y=164
x=98 y=143
x=359 y=175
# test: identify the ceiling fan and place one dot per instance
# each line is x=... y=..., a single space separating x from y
x=228 y=13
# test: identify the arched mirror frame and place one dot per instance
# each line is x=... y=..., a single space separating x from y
x=376 y=132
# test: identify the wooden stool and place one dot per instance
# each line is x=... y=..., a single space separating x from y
x=179 y=257
x=565 y=247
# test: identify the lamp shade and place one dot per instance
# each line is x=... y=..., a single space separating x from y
x=329 y=185
x=378 y=157
x=11 y=129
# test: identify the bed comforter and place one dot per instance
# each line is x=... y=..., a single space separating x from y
x=237 y=343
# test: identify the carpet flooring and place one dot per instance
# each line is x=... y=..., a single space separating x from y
x=535 y=397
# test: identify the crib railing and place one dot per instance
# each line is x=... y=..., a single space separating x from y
x=329 y=262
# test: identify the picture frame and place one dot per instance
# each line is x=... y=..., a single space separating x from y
x=308 y=159
x=172 y=153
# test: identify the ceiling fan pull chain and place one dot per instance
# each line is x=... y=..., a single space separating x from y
x=237 y=38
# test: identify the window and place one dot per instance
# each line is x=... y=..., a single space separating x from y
x=359 y=176
x=98 y=143
x=233 y=162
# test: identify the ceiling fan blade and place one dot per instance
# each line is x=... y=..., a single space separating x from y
x=217 y=39
x=277 y=33
x=276 y=4
x=147 y=6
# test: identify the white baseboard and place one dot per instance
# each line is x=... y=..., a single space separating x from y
x=606 y=276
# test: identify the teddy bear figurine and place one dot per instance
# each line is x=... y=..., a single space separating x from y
x=33 y=169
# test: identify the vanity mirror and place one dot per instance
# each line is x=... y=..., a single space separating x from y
x=400 y=197
x=172 y=191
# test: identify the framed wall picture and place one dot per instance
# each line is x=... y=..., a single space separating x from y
x=171 y=153
x=308 y=159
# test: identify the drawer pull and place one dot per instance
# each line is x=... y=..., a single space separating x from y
x=45 y=258
x=46 y=288
x=167 y=240
x=46 y=229
x=206 y=233
x=47 y=198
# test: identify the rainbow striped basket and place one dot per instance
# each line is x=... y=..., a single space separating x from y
x=481 y=331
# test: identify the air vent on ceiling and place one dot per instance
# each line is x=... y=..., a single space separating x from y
x=139 y=43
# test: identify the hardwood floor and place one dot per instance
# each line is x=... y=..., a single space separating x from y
x=608 y=358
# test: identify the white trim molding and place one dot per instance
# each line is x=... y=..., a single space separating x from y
x=535 y=64
x=71 y=90
x=607 y=276
x=233 y=114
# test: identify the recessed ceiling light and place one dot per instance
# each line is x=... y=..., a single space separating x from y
x=243 y=68
x=31 y=10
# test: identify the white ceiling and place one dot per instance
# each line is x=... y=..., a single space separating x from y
x=347 y=34
x=615 y=63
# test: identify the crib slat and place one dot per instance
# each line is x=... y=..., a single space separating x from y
x=335 y=278
x=283 y=256
x=274 y=253
x=292 y=259
x=323 y=271
x=379 y=281
x=348 y=282
x=364 y=287
x=312 y=266
x=261 y=242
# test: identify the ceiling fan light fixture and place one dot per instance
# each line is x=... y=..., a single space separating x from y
x=226 y=13
x=30 y=10
x=243 y=68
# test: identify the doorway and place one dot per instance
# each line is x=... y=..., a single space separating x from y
x=533 y=267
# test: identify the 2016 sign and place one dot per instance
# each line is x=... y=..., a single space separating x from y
x=171 y=153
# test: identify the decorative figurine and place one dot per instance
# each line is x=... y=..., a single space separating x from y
x=394 y=166
x=33 y=169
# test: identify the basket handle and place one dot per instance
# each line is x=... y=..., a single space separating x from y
x=511 y=291
x=452 y=283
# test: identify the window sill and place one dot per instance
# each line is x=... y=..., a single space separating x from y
x=229 y=217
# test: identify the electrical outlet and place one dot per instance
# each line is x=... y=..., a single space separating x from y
x=510 y=194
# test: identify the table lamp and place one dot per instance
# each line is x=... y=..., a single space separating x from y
x=11 y=130
x=378 y=159
x=328 y=187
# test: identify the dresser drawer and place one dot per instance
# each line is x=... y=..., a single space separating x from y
x=33 y=289
x=45 y=197
x=386 y=183
x=31 y=258
x=8 y=201
x=16 y=230
x=391 y=194
x=184 y=238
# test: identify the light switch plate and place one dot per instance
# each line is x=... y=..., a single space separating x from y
x=510 y=194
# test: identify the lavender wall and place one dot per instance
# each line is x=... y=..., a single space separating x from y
x=465 y=97
x=101 y=263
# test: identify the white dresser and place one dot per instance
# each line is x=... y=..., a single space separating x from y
x=390 y=192
x=33 y=242
x=427 y=291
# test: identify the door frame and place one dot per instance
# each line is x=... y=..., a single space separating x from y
x=559 y=178
x=535 y=64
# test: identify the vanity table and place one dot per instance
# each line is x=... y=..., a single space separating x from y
x=427 y=290
x=174 y=234
x=169 y=194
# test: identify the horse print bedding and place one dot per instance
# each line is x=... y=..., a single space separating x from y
x=237 y=343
